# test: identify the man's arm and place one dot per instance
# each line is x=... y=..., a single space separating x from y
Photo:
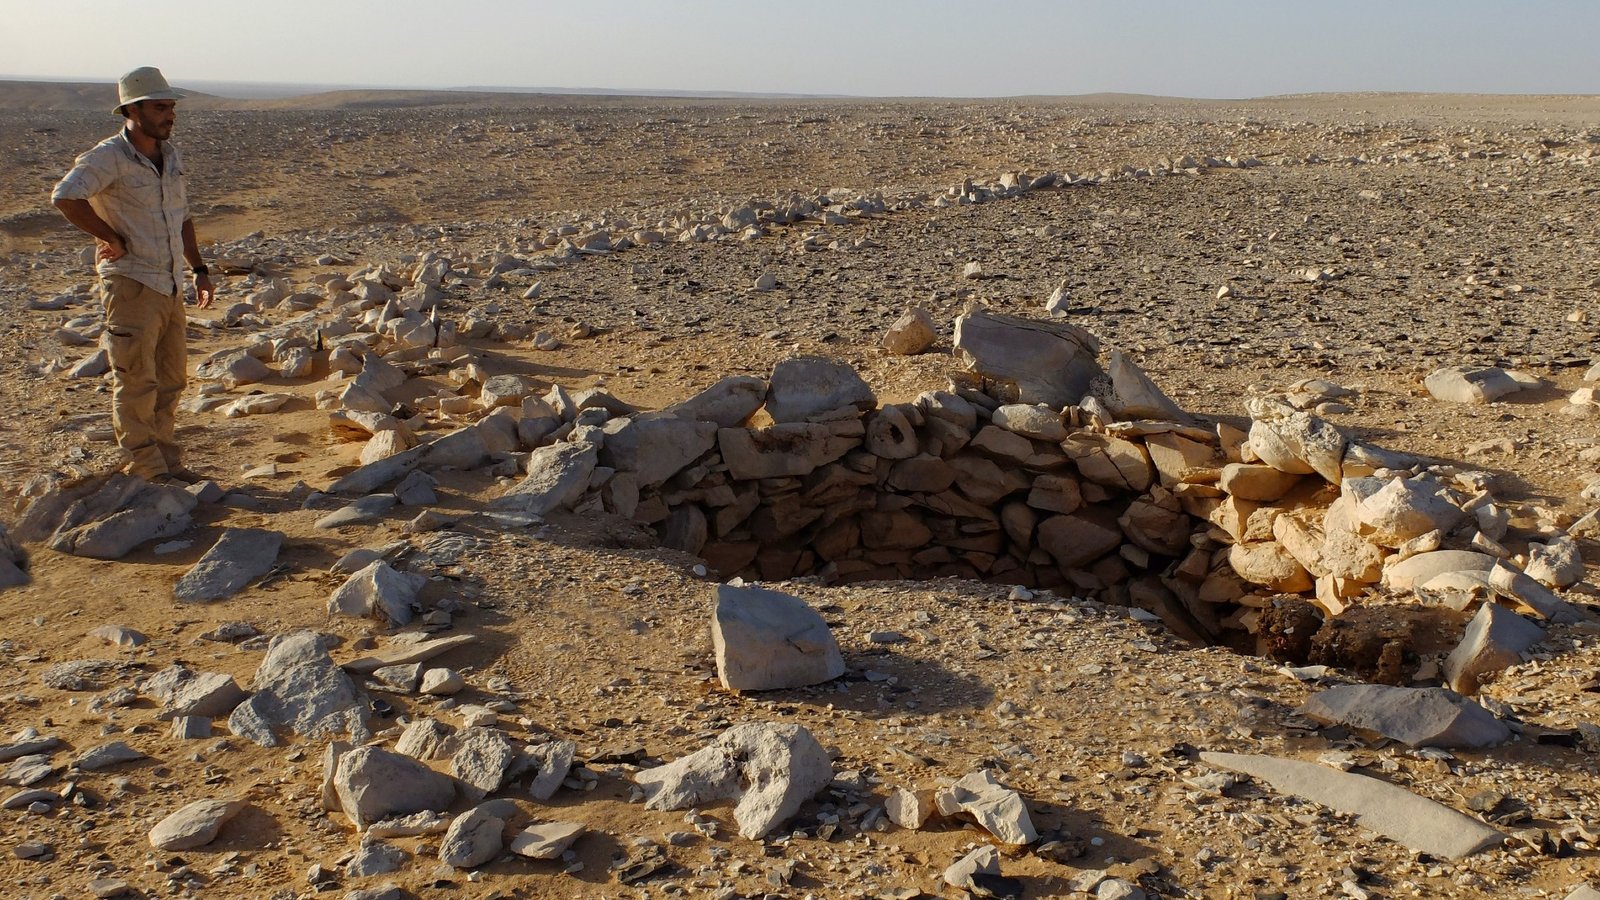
x=81 y=214
x=203 y=291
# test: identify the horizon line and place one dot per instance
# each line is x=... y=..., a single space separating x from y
x=300 y=89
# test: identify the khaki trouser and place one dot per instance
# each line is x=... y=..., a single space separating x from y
x=145 y=333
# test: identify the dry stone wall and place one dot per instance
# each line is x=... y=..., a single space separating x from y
x=953 y=484
x=1058 y=474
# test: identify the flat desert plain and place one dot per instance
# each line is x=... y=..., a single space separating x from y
x=572 y=263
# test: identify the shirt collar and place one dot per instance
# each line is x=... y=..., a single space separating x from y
x=168 y=152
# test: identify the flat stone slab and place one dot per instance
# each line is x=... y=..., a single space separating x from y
x=403 y=653
x=546 y=840
x=1417 y=717
x=367 y=509
x=1394 y=812
x=238 y=557
x=107 y=755
x=194 y=825
x=557 y=476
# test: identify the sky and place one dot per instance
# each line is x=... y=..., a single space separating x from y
x=946 y=48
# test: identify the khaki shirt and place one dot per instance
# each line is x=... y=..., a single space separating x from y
x=145 y=205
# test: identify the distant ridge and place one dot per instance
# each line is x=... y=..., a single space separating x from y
x=24 y=94
x=649 y=92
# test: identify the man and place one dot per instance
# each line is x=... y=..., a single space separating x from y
x=128 y=193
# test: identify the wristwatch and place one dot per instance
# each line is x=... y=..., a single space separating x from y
x=201 y=269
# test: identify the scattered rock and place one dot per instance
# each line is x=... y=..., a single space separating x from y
x=442 y=682
x=474 y=838
x=379 y=591
x=367 y=509
x=1417 y=717
x=1459 y=384
x=374 y=784
x=546 y=840
x=107 y=520
x=552 y=760
x=1495 y=639
x=1418 y=823
x=194 y=825
x=772 y=769
x=984 y=859
x=996 y=808
x=298 y=686
x=910 y=334
x=766 y=640
x=909 y=809
x=238 y=557
x=119 y=635
x=184 y=692
x=483 y=759
x=1050 y=362
x=107 y=755
x=557 y=476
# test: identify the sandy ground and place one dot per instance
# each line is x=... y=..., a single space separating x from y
x=1452 y=231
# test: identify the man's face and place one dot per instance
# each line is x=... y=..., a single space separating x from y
x=152 y=118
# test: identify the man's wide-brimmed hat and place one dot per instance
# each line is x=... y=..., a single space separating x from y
x=144 y=83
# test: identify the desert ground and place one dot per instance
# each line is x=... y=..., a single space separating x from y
x=1230 y=249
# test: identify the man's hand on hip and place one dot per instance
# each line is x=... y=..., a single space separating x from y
x=110 y=250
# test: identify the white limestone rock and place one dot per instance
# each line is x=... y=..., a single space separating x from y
x=184 y=692
x=380 y=591
x=802 y=387
x=1419 y=570
x=298 y=686
x=985 y=859
x=1029 y=420
x=909 y=809
x=996 y=808
x=1556 y=563
x=546 y=840
x=1495 y=639
x=1295 y=442
x=1515 y=585
x=729 y=403
x=194 y=825
x=1406 y=508
x=482 y=760
x=655 y=448
x=551 y=761
x=238 y=557
x=1134 y=395
x=766 y=640
x=374 y=784
x=442 y=682
x=426 y=739
x=1050 y=362
x=473 y=838
x=1415 y=822
x=910 y=334
x=1417 y=717
x=557 y=477
x=771 y=768
x=1461 y=384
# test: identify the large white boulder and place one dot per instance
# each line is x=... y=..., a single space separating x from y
x=766 y=640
